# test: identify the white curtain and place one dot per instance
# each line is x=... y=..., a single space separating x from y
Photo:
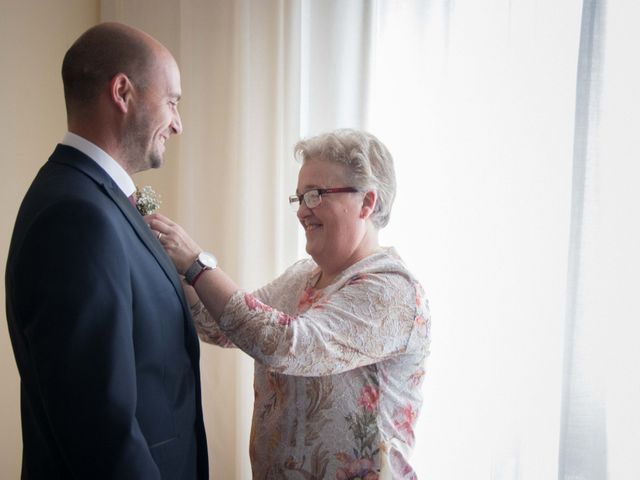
x=583 y=446
x=602 y=422
x=513 y=126
x=478 y=108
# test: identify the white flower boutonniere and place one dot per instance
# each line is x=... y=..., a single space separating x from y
x=147 y=201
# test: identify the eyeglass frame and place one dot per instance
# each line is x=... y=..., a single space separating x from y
x=320 y=192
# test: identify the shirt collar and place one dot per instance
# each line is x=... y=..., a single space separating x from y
x=103 y=159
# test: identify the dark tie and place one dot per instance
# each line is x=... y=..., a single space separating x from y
x=132 y=199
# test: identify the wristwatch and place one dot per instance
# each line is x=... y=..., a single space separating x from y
x=205 y=261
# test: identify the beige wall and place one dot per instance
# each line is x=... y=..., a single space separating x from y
x=33 y=38
x=34 y=35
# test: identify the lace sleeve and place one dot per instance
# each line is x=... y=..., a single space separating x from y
x=207 y=328
x=370 y=318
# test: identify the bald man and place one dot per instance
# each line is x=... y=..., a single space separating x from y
x=103 y=339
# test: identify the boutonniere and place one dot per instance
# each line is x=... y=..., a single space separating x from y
x=147 y=201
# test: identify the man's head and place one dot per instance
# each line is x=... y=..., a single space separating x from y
x=121 y=90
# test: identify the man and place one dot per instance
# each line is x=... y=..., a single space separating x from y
x=103 y=340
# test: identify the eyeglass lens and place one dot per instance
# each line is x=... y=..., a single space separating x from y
x=312 y=199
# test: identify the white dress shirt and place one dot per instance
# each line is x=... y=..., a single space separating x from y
x=103 y=159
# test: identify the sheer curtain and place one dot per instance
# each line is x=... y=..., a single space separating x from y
x=513 y=126
x=583 y=446
x=476 y=100
x=606 y=294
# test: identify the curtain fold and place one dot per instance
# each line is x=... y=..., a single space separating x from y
x=583 y=446
x=336 y=43
x=601 y=423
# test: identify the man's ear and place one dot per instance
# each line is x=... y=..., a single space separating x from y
x=368 y=204
x=121 y=92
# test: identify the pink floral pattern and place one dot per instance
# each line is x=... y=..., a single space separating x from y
x=402 y=467
x=404 y=420
x=256 y=305
x=416 y=377
x=356 y=468
x=369 y=398
x=309 y=297
x=338 y=371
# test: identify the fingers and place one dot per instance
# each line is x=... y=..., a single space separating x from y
x=156 y=221
x=165 y=239
x=180 y=247
x=164 y=230
x=158 y=216
x=172 y=246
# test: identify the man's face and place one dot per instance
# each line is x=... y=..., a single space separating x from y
x=155 y=117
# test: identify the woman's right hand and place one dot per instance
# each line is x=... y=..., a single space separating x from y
x=180 y=247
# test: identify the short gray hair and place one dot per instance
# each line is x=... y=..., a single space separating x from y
x=368 y=161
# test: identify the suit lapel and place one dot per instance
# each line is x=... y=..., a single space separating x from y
x=76 y=159
x=144 y=233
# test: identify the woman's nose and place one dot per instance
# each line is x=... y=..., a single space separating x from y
x=303 y=210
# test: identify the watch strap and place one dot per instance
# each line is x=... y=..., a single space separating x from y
x=198 y=275
x=193 y=272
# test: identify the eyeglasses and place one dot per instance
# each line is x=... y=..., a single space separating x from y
x=313 y=198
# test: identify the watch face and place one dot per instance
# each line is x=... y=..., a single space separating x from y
x=208 y=260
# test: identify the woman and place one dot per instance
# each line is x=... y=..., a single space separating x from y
x=339 y=341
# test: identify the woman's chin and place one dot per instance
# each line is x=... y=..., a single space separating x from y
x=311 y=249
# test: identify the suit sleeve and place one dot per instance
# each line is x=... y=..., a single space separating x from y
x=74 y=273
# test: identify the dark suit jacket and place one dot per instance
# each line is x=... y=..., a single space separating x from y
x=103 y=339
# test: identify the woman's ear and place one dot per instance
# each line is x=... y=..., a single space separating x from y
x=121 y=92
x=368 y=204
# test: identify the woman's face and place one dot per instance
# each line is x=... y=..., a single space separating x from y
x=335 y=229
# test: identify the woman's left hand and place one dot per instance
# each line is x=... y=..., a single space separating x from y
x=177 y=243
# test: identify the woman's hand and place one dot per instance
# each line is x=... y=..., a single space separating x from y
x=216 y=288
x=177 y=243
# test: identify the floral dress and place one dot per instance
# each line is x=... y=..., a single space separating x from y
x=337 y=371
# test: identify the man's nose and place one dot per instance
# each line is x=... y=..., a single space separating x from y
x=176 y=124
